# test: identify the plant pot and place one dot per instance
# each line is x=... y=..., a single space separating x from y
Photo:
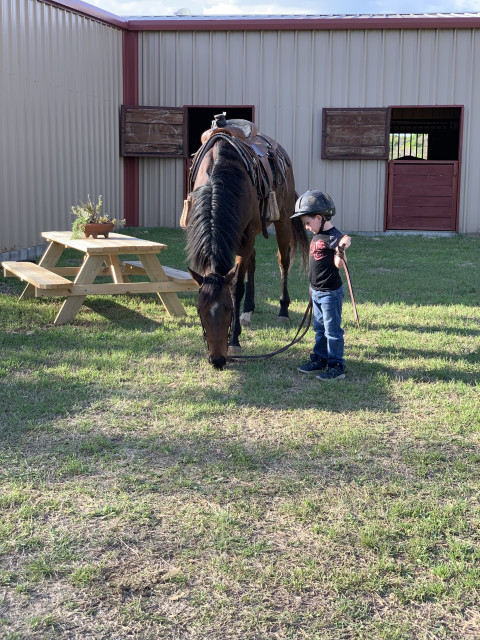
x=95 y=229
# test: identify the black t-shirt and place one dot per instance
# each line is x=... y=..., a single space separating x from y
x=322 y=271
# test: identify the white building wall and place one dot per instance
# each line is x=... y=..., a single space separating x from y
x=290 y=76
x=60 y=90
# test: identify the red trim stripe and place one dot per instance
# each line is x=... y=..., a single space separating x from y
x=306 y=23
x=131 y=165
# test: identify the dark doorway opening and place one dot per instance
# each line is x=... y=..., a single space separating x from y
x=199 y=120
x=427 y=133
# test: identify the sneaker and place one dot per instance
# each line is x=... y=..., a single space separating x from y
x=332 y=373
x=312 y=366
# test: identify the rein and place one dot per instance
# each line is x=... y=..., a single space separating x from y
x=297 y=338
x=347 y=273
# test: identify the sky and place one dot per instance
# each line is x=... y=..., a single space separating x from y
x=285 y=7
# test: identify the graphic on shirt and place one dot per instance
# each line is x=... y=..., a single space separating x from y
x=317 y=249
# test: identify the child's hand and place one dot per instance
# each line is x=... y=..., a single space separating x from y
x=340 y=257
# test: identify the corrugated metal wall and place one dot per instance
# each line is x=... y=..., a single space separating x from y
x=60 y=90
x=289 y=76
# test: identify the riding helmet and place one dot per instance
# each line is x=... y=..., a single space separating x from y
x=313 y=203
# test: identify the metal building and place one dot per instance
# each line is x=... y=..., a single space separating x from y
x=382 y=112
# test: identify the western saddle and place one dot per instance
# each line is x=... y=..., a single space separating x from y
x=265 y=161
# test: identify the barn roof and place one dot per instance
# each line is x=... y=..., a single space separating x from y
x=305 y=16
x=307 y=22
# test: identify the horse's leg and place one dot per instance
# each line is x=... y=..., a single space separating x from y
x=283 y=255
x=249 y=302
x=243 y=261
x=234 y=347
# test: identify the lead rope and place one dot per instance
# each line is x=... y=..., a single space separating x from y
x=297 y=338
x=341 y=253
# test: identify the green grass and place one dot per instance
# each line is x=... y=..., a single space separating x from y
x=145 y=495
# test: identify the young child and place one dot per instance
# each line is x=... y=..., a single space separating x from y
x=316 y=209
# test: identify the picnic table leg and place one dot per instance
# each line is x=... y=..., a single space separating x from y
x=156 y=274
x=115 y=266
x=87 y=274
x=49 y=259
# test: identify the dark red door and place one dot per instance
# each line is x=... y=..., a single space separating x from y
x=422 y=195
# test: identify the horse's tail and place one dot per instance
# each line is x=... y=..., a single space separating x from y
x=299 y=241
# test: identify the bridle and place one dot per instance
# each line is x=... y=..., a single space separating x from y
x=204 y=331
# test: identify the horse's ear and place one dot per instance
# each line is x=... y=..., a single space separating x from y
x=231 y=274
x=197 y=277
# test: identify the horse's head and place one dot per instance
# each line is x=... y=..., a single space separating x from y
x=215 y=308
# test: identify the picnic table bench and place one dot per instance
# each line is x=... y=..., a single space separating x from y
x=41 y=278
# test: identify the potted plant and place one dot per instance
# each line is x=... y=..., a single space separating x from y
x=91 y=221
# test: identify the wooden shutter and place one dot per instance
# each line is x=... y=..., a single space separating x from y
x=152 y=131
x=355 y=134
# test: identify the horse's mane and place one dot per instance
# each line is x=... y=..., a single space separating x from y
x=216 y=224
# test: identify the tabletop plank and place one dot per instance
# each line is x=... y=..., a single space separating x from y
x=115 y=243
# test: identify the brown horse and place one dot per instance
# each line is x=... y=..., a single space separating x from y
x=225 y=217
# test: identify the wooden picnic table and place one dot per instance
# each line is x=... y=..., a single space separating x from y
x=100 y=258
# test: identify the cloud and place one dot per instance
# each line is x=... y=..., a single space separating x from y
x=198 y=8
x=233 y=7
x=311 y=7
x=413 y=6
x=467 y=5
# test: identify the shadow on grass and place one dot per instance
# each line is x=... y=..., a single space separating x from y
x=115 y=312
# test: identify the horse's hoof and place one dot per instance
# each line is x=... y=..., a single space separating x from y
x=233 y=350
x=246 y=319
x=284 y=319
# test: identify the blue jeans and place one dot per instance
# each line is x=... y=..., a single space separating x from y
x=327 y=320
